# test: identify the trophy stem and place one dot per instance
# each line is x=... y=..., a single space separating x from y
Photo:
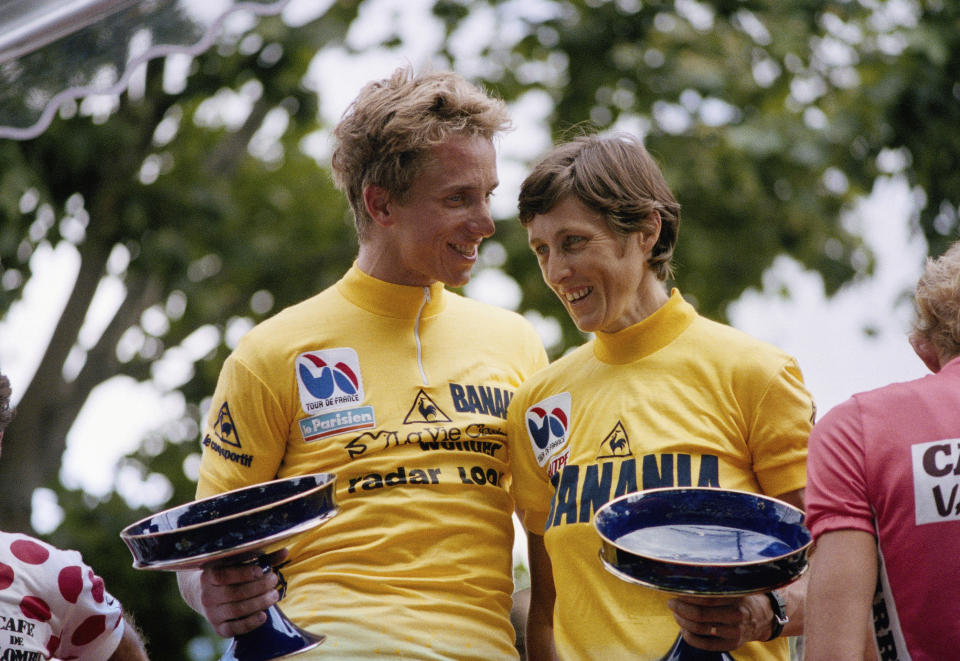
x=683 y=651
x=277 y=638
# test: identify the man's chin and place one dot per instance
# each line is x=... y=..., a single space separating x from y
x=457 y=279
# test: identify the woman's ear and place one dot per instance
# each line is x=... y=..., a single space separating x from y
x=651 y=232
x=377 y=201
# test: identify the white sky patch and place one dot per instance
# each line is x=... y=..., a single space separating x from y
x=827 y=336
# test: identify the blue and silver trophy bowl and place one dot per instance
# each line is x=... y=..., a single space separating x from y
x=232 y=528
x=702 y=541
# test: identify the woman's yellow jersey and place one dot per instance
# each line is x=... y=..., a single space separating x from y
x=675 y=400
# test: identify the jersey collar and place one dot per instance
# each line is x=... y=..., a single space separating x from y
x=647 y=336
x=388 y=299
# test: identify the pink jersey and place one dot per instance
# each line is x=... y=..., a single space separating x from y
x=887 y=462
x=53 y=605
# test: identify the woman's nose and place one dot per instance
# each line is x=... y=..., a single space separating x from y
x=555 y=269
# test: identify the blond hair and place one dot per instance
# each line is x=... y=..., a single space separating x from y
x=388 y=130
x=937 y=302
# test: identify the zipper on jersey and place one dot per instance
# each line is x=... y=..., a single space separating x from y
x=416 y=334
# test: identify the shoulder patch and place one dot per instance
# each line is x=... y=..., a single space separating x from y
x=224 y=429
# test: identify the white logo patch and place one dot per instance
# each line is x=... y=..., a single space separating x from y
x=329 y=379
x=548 y=422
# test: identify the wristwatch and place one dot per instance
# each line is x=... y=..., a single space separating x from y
x=779 y=613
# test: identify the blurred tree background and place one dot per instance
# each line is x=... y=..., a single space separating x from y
x=770 y=119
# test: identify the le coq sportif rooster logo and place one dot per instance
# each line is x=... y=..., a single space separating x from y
x=427 y=411
x=424 y=411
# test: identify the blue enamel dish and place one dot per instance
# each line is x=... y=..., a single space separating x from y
x=231 y=523
x=703 y=541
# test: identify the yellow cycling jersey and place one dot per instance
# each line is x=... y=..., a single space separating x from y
x=675 y=400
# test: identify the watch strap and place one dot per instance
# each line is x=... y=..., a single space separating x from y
x=780 y=618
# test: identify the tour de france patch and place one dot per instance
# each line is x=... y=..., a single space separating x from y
x=329 y=380
x=547 y=423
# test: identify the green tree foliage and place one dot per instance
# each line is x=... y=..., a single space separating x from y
x=768 y=118
x=201 y=232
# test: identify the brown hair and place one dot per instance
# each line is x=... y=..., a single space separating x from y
x=386 y=133
x=937 y=301
x=6 y=413
x=613 y=175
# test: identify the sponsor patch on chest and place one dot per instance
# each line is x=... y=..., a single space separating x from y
x=337 y=422
x=329 y=380
x=548 y=423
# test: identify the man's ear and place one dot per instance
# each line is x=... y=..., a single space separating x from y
x=924 y=348
x=377 y=201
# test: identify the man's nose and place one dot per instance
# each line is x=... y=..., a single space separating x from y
x=482 y=222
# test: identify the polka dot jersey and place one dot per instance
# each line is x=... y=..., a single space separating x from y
x=52 y=605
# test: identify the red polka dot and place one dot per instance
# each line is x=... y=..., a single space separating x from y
x=35 y=608
x=91 y=627
x=52 y=645
x=97 y=588
x=70 y=581
x=6 y=576
x=29 y=552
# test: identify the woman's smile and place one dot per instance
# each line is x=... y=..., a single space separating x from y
x=602 y=277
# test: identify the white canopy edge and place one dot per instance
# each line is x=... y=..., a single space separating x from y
x=36 y=24
x=209 y=36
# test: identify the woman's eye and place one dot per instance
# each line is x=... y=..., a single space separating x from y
x=572 y=241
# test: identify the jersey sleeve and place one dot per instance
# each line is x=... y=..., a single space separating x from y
x=244 y=439
x=535 y=354
x=93 y=622
x=530 y=485
x=525 y=478
x=779 y=432
x=53 y=605
x=836 y=497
